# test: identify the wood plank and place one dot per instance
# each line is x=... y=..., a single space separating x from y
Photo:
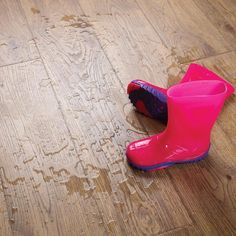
x=92 y=98
x=221 y=18
x=184 y=28
x=5 y=221
x=133 y=47
x=228 y=5
x=38 y=159
x=16 y=41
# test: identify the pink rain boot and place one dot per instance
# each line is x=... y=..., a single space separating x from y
x=193 y=108
x=151 y=100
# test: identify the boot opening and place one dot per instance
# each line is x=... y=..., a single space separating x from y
x=197 y=88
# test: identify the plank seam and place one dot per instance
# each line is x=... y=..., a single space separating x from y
x=20 y=62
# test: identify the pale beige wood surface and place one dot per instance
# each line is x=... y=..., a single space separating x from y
x=132 y=45
x=185 y=28
x=92 y=100
x=5 y=220
x=34 y=137
x=225 y=21
x=16 y=41
x=65 y=118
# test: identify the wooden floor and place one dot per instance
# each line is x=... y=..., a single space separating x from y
x=65 y=119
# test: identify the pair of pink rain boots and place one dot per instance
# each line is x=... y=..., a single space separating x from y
x=192 y=107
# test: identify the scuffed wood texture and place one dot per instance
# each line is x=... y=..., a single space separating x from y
x=16 y=41
x=65 y=118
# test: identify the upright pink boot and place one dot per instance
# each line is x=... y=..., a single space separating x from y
x=193 y=108
x=151 y=100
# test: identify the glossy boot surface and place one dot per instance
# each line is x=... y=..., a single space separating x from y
x=151 y=100
x=193 y=109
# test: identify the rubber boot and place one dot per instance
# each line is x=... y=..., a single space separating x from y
x=151 y=100
x=193 y=108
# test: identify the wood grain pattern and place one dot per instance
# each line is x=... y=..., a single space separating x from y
x=142 y=56
x=65 y=118
x=185 y=28
x=16 y=41
x=5 y=228
x=228 y=5
x=131 y=44
x=225 y=21
x=34 y=137
x=97 y=123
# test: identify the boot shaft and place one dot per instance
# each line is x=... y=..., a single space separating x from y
x=198 y=72
x=193 y=108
